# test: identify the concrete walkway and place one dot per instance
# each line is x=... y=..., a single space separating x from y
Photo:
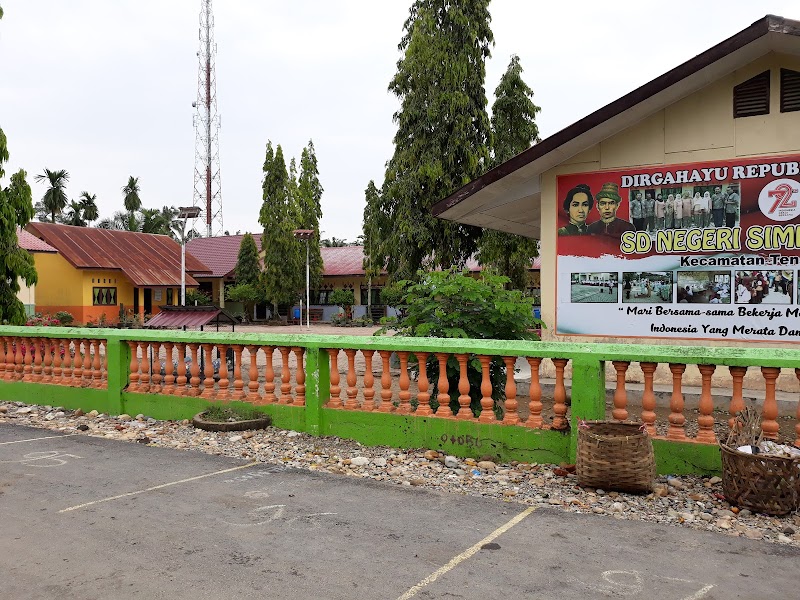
x=89 y=517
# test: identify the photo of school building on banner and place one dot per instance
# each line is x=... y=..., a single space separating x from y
x=705 y=250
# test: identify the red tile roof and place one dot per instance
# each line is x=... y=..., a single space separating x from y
x=31 y=243
x=219 y=253
x=176 y=317
x=145 y=259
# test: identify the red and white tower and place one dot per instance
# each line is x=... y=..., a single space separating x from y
x=207 y=181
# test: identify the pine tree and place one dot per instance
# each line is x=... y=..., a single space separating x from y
x=16 y=210
x=513 y=131
x=283 y=265
x=443 y=132
x=309 y=208
x=248 y=269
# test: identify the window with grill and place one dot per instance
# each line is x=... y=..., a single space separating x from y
x=104 y=296
x=751 y=98
x=790 y=90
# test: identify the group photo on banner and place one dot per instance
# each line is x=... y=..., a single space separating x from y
x=704 y=250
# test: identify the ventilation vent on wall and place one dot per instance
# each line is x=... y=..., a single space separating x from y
x=790 y=90
x=751 y=98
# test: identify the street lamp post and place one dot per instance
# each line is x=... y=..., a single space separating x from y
x=185 y=213
x=306 y=234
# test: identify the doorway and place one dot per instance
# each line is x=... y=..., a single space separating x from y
x=148 y=301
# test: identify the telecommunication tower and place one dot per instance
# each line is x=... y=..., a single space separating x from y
x=207 y=182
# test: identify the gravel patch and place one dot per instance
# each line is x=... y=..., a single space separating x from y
x=687 y=501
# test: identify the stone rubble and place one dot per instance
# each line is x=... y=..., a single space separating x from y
x=687 y=501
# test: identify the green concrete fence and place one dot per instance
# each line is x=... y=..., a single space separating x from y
x=373 y=397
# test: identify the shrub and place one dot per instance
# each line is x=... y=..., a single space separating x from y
x=197 y=297
x=64 y=317
x=453 y=304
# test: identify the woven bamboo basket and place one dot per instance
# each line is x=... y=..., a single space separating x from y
x=767 y=484
x=615 y=456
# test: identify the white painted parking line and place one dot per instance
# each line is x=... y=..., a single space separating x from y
x=49 y=437
x=469 y=552
x=156 y=487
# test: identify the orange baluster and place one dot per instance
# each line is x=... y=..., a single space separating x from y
x=47 y=370
x=269 y=376
x=155 y=364
x=208 y=371
x=300 y=378
x=105 y=366
x=286 y=376
x=464 y=410
x=252 y=376
x=180 y=383
x=144 y=377
x=769 y=426
x=535 y=394
x=352 y=390
x=560 y=395
x=169 y=369
x=19 y=360
x=385 y=404
x=737 y=401
x=797 y=416
x=648 y=397
x=405 y=395
x=27 y=369
x=676 y=430
x=238 y=384
x=335 y=401
x=36 y=344
x=224 y=383
x=2 y=357
x=423 y=397
x=620 y=412
x=56 y=363
x=512 y=416
x=87 y=364
x=369 y=381
x=133 y=377
x=77 y=365
x=443 y=387
x=194 y=371
x=487 y=403
x=705 y=420
x=10 y=353
x=97 y=373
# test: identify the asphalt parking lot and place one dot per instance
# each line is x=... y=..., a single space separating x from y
x=84 y=517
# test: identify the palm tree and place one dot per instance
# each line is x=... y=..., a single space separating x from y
x=88 y=204
x=55 y=198
x=121 y=221
x=74 y=215
x=131 y=193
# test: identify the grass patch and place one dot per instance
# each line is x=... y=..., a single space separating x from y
x=230 y=414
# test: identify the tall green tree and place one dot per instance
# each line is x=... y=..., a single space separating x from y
x=443 y=132
x=55 y=198
x=81 y=212
x=283 y=262
x=514 y=130
x=309 y=210
x=130 y=193
x=16 y=210
x=248 y=267
x=74 y=215
x=372 y=227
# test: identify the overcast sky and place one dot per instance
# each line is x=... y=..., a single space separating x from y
x=103 y=88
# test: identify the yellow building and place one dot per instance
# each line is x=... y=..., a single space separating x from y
x=720 y=132
x=100 y=274
x=35 y=246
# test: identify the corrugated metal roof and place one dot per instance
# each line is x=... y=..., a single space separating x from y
x=31 y=243
x=177 y=317
x=145 y=259
x=219 y=253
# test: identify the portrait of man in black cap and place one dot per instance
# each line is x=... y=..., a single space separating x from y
x=608 y=201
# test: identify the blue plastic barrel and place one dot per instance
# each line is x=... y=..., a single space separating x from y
x=296 y=313
x=537 y=312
